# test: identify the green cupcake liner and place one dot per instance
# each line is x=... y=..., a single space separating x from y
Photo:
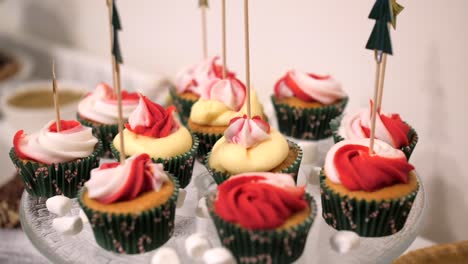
x=293 y=169
x=263 y=246
x=105 y=133
x=182 y=105
x=207 y=141
x=307 y=123
x=44 y=180
x=366 y=218
x=181 y=166
x=408 y=150
x=133 y=233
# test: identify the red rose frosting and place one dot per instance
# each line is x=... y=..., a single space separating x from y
x=229 y=91
x=247 y=132
x=113 y=182
x=152 y=120
x=259 y=200
x=196 y=78
x=388 y=127
x=350 y=164
x=309 y=87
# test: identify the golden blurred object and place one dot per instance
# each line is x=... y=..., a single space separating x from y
x=455 y=253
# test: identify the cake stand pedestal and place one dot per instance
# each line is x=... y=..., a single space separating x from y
x=82 y=248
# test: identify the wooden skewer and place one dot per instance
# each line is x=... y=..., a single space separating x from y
x=374 y=108
x=204 y=32
x=247 y=54
x=223 y=15
x=120 y=115
x=111 y=34
x=56 y=99
x=382 y=80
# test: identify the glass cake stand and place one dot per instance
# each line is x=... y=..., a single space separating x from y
x=37 y=224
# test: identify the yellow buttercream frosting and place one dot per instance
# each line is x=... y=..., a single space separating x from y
x=215 y=113
x=175 y=144
x=235 y=159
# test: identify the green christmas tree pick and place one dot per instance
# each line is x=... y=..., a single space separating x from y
x=116 y=27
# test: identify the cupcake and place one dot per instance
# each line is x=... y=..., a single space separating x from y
x=153 y=130
x=262 y=217
x=220 y=102
x=305 y=103
x=251 y=145
x=191 y=82
x=370 y=194
x=388 y=127
x=56 y=163
x=130 y=207
x=98 y=110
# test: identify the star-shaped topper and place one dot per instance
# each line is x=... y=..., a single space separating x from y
x=203 y=3
x=395 y=9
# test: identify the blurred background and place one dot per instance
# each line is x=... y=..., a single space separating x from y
x=425 y=79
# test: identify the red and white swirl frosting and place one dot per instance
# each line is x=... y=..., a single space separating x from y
x=101 y=105
x=197 y=77
x=259 y=200
x=350 y=164
x=230 y=91
x=152 y=120
x=388 y=127
x=48 y=146
x=113 y=182
x=247 y=132
x=309 y=87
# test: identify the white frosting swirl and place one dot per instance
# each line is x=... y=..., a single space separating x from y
x=309 y=87
x=52 y=147
x=197 y=77
x=247 y=132
x=231 y=92
x=381 y=149
x=101 y=107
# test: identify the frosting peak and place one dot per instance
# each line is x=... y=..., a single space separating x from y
x=229 y=91
x=247 y=132
x=196 y=78
x=388 y=127
x=101 y=105
x=49 y=146
x=151 y=119
x=309 y=87
x=350 y=164
x=113 y=182
x=259 y=201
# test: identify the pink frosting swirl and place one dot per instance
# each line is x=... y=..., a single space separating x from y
x=229 y=91
x=113 y=182
x=247 y=132
x=309 y=87
x=388 y=127
x=197 y=77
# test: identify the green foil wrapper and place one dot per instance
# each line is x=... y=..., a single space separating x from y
x=105 y=133
x=366 y=218
x=183 y=105
x=44 y=180
x=133 y=233
x=181 y=166
x=307 y=123
x=408 y=150
x=207 y=142
x=293 y=169
x=263 y=246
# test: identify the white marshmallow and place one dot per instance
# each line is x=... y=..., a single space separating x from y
x=202 y=209
x=196 y=245
x=83 y=216
x=59 y=205
x=314 y=175
x=219 y=255
x=68 y=225
x=165 y=255
x=344 y=241
x=181 y=198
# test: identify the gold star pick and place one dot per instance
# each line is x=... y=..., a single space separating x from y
x=203 y=3
x=395 y=9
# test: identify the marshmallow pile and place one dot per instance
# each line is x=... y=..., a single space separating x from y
x=66 y=225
